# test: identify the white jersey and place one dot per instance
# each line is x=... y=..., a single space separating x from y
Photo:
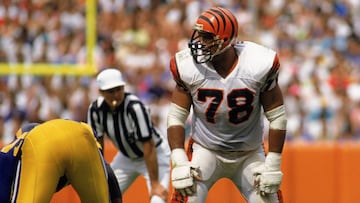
x=227 y=114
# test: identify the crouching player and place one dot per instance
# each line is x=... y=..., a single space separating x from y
x=45 y=157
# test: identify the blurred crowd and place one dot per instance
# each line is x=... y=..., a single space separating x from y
x=318 y=42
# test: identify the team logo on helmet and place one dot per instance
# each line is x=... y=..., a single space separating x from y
x=198 y=27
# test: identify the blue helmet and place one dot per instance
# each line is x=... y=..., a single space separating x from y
x=26 y=128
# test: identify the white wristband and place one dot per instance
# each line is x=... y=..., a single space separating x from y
x=277 y=118
x=273 y=161
x=178 y=157
x=177 y=115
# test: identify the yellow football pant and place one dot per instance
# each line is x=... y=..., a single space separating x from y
x=57 y=148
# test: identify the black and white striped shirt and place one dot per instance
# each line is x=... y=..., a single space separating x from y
x=128 y=126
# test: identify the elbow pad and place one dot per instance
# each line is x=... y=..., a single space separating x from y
x=177 y=115
x=277 y=118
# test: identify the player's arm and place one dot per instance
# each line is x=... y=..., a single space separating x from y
x=142 y=119
x=268 y=176
x=92 y=120
x=183 y=172
x=179 y=111
x=153 y=170
x=272 y=101
x=274 y=109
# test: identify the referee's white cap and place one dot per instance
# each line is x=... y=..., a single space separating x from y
x=110 y=78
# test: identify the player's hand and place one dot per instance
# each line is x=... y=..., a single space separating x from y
x=268 y=176
x=158 y=190
x=268 y=182
x=182 y=178
x=183 y=173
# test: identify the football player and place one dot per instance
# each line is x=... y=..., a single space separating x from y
x=44 y=158
x=229 y=85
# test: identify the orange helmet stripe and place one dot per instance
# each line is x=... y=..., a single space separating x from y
x=220 y=15
x=205 y=18
x=231 y=18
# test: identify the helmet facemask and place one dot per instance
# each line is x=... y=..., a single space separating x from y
x=204 y=46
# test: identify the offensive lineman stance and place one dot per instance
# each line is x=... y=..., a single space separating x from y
x=230 y=85
x=48 y=153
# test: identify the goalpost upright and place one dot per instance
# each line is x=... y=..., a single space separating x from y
x=89 y=68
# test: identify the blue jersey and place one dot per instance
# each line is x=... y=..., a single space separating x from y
x=9 y=159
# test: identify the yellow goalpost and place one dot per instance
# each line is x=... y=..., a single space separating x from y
x=88 y=68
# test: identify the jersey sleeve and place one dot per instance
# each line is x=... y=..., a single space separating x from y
x=93 y=119
x=10 y=155
x=272 y=75
x=176 y=75
x=142 y=120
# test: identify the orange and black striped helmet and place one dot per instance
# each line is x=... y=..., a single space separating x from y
x=215 y=27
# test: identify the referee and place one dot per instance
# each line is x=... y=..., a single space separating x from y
x=126 y=121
